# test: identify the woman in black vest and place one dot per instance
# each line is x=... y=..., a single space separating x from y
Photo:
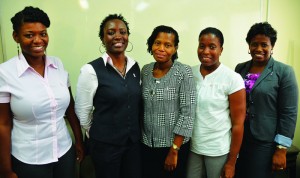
x=108 y=101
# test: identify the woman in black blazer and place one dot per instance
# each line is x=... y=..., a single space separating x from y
x=272 y=102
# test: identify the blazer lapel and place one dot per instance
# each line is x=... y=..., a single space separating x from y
x=245 y=69
x=267 y=71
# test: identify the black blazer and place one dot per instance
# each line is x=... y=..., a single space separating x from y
x=272 y=105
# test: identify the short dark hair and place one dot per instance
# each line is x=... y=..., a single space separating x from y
x=262 y=28
x=29 y=14
x=215 y=31
x=164 y=29
x=112 y=17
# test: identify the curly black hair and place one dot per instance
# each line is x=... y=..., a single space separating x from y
x=112 y=17
x=164 y=29
x=29 y=14
x=215 y=31
x=262 y=28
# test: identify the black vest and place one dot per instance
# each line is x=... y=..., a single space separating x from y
x=117 y=105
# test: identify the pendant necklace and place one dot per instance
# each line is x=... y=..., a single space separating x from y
x=153 y=89
x=123 y=71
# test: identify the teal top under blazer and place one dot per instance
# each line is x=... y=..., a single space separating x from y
x=272 y=104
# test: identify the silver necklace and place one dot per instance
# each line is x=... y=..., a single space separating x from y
x=123 y=71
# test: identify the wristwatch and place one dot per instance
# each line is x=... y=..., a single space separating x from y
x=281 y=147
x=175 y=147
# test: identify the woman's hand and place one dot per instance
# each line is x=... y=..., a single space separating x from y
x=79 y=151
x=9 y=174
x=171 y=160
x=228 y=171
x=279 y=159
x=5 y=141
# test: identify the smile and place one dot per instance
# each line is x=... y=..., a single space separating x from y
x=38 y=48
x=259 y=55
x=118 y=44
x=160 y=55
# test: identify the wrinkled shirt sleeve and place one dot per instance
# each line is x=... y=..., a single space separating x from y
x=86 y=88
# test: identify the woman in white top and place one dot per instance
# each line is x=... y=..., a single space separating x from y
x=220 y=113
x=35 y=96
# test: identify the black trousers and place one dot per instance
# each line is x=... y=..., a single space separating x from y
x=64 y=168
x=115 y=161
x=255 y=157
x=153 y=160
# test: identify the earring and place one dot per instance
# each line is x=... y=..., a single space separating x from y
x=18 y=49
x=271 y=52
x=248 y=51
x=131 y=47
x=100 y=48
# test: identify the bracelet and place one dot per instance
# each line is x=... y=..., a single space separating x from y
x=175 y=147
x=281 y=147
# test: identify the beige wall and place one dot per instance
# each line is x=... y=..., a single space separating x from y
x=74 y=28
x=75 y=25
x=1 y=48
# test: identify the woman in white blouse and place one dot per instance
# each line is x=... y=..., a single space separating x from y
x=35 y=96
x=221 y=102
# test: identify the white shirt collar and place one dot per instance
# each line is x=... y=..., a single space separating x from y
x=107 y=59
x=22 y=64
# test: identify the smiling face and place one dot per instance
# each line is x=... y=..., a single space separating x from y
x=163 y=47
x=33 y=39
x=115 y=36
x=209 y=50
x=260 y=48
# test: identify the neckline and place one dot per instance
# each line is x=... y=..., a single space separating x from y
x=123 y=71
x=210 y=74
x=166 y=76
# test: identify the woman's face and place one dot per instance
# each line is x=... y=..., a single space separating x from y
x=163 y=47
x=260 y=48
x=33 y=39
x=209 y=50
x=115 y=36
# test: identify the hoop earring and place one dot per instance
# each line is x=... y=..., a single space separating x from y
x=131 y=47
x=248 y=51
x=100 y=49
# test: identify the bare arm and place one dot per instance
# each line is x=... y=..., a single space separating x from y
x=5 y=141
x=237 y=104
x=74 y=122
